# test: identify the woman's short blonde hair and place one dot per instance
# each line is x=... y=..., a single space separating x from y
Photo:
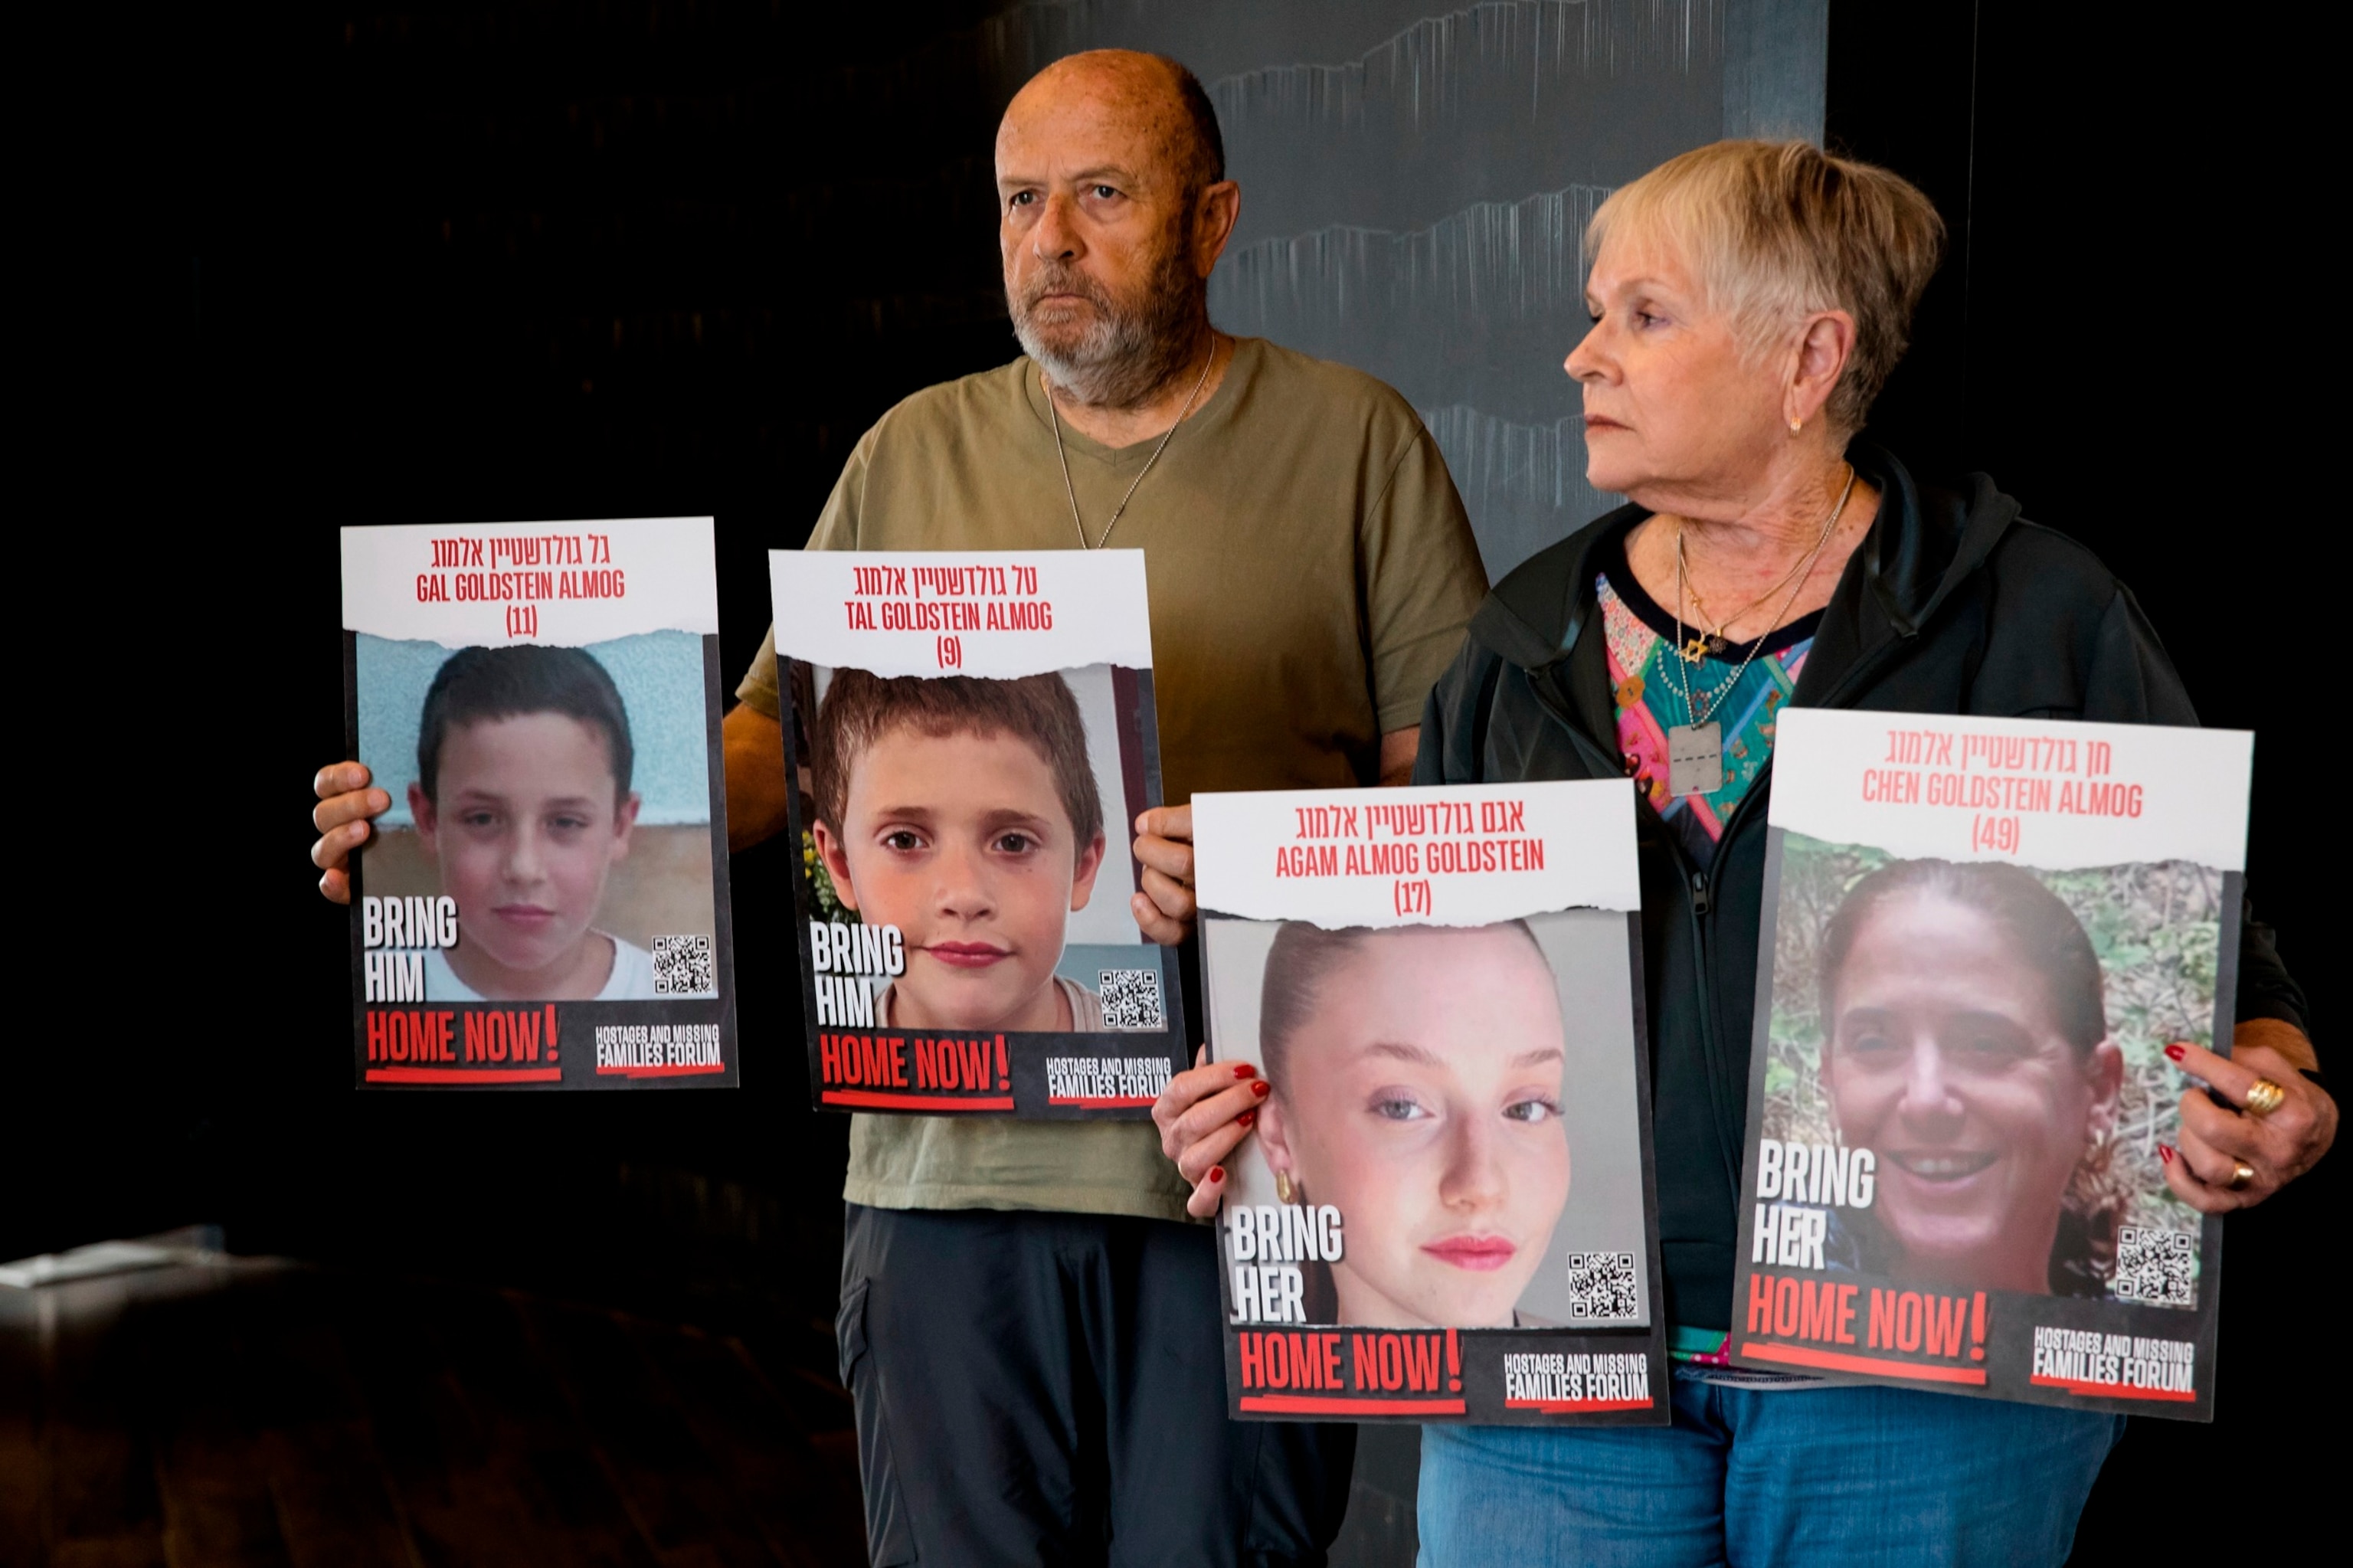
x=1778 y=230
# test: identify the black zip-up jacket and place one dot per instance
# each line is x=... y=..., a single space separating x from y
x=1953 y=604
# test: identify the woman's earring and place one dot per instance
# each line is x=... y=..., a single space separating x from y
x=1797 y=425
x=1283 y=1191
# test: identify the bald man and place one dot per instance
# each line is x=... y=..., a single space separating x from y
x=1029 y=1326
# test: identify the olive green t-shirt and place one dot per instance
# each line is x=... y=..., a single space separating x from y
x=1311 y=572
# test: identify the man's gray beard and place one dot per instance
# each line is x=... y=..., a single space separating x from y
x=1132 y=349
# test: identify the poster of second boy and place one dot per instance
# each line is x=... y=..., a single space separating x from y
x=969 y=739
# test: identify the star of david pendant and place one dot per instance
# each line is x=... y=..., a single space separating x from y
x=1693 y=650
x=1694 y=758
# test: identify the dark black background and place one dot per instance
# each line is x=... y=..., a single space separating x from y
x=568 y=262
x=2108 y=341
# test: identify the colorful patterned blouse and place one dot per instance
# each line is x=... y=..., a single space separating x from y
x=1648 y=680
x=1648 y=692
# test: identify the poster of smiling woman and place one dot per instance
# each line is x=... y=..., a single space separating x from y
x=1446 y=1210
x=1979 y=937
x=545 y=904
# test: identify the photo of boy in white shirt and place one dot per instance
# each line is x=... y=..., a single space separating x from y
x=523 y=798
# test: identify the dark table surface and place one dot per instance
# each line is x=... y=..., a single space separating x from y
x=248 y=1411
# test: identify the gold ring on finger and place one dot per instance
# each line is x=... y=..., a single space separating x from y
x=2241 y=1174
x=2264 y=1097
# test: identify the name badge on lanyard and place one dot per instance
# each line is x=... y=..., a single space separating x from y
x=1694 y=758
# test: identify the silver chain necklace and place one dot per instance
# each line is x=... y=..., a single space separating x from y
x=1695 y=747
x=1063 y=458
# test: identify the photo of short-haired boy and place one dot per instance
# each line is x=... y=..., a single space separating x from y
x=522 y=799
x=965 y=812
x=569 y=822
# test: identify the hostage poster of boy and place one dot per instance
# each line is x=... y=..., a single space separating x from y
x=971 y=739
x=1980 y=935
x=545 y=904
x=1445 y=1210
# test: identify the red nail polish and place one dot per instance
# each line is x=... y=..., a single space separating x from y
x=2179 y=1052
x=1244 y=1070
x=2165 y=1152
x=1245 y=1119
x=1216 y=1174
x=1261 y=1089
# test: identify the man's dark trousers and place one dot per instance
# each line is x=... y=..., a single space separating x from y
x=1050 y=1389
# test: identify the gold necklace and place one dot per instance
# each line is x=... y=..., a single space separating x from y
x=1714 y=642
x=1695 y=747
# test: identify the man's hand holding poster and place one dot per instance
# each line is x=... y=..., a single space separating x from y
x=1445 y=1212
x=1979 y=937
x=545 y=902
x=970 y=738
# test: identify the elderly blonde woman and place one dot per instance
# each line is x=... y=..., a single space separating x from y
x=1748 y=301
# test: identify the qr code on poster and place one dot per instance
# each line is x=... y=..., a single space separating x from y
x=2155 y=1266
x=1131 y=999
x=1601 y=1286
x=683 y=966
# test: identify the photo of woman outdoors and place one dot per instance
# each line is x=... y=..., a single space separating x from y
x=1994 y=1036
x=1445 y=1091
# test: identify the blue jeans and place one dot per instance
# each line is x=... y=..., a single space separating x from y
x=1822 y=1477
